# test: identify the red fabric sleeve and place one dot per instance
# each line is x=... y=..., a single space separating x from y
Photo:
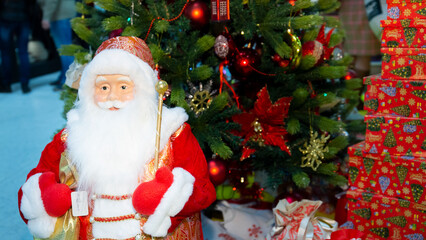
x=49 y=162
x=188 y=155
x=50 y=157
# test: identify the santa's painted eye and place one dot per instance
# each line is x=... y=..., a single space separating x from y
x=104 y=88
x=124 y=87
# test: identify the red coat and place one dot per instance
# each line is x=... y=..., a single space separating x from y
x=182 y=151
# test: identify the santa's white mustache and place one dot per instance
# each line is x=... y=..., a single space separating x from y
x=111 y=104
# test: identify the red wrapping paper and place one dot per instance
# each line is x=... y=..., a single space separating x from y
x=405 y=98
x=405 y=33
x=384 y=217
x=394 y=176
x=397 y=136
x=404 y=63
x=347 y=234
x=402 y=9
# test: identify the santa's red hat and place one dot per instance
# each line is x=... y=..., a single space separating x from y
x=133 y=45
x=128 y=56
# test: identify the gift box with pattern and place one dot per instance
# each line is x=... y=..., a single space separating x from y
x=385 y=217
x=395 y=176
x=402 y=9
x=405 y=98
x=404 y=33
x=404 y=63
x=395 y=135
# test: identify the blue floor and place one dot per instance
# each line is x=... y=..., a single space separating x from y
x=27 y=124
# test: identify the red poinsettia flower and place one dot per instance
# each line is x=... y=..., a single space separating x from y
x=264 y=123
x=325 y=40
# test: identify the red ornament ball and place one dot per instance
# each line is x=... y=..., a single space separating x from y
x=284 y=63
x=315 y=49
x=350 y=74
x=276 y=58
x=245 y=61
x=217 y=171
x=198 y=12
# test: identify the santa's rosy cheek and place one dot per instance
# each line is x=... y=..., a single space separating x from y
x=100 y=96
x=127 y=97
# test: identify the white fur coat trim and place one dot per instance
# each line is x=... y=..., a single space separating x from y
x=172 y=119
x=171 y=204
x=40 y=224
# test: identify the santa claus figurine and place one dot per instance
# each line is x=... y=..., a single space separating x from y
x=97 y=179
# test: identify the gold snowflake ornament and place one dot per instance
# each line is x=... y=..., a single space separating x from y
x=200 y=98
x=314 y=152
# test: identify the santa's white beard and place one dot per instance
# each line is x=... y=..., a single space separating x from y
x=111 y=148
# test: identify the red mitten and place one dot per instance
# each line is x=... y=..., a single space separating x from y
x=56 y=197
x=148 y=195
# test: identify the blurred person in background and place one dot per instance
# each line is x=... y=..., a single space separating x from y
x=15 y=23
x=360 y=42
x=57 y=15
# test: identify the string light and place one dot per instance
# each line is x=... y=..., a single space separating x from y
x=168 y=20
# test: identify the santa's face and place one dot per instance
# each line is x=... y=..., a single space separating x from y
x=113 y=91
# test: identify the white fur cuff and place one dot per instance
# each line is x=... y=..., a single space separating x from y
x=171 y=204
x=40 y=224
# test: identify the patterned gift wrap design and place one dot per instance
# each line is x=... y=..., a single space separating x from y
x=406 y=33
x=399 y=136
x=402 y=9
x=405 y=98
x=384 y=217
x=402 y=177
x=404 y=63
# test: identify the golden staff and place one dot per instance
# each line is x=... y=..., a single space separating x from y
x=161 y=88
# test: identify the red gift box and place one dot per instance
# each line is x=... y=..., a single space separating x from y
x=395 y=135
x=404 y=63
x=405 y=33
x=402 y=9
x=384 y=217
x=405 y=98
x=395 y=176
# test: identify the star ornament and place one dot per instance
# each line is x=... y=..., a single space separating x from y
x=264 y=124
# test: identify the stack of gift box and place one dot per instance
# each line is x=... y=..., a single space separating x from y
x=387 y=173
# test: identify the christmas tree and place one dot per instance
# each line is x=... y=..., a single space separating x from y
x=422 y=11
x=402 y=172
x=263 y=82
x=398 y=220
x=363 y=212
x=417 y=191
x=390 y=140
x=372 y=104
x=403 y=110
x=382 y=231
x=404 y=72
x=368 y=164
x=409 y=34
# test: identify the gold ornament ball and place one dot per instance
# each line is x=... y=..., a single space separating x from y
x=161 y=87
x=296 y=47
